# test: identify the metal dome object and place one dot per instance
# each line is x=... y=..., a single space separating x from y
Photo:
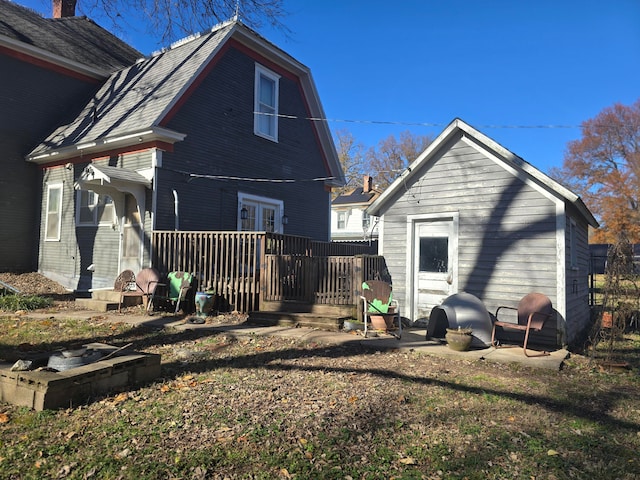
x=461 y=310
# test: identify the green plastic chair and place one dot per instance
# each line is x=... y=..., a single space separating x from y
x=378 y=300
x=178 y=285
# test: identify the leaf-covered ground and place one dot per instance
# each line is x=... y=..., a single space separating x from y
x=272 y=407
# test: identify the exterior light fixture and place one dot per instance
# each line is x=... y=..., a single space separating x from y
x=244 y=213
x=285 y=220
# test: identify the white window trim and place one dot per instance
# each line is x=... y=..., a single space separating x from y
x=50 y=187
x=95 y=212
x=262 y=71
x=278 y=205
x=345 y=214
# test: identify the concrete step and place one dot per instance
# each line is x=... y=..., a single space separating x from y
x=303 y=307
x=101 y=305
x=295 y=319
x=107 y=295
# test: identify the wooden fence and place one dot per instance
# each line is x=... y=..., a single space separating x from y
x=331 y=280
x=245 y=267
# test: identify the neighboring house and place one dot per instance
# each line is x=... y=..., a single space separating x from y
x=213 y=133
x=349 y=221
x=469 y=215
x=50 y=68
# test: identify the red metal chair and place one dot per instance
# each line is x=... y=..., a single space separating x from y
x=142 y=285
x=533 y=312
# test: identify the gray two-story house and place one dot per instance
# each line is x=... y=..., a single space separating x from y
x=50 y=68
x=217 y=132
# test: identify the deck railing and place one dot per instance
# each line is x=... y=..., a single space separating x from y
x=333 y=280
x=244 y=268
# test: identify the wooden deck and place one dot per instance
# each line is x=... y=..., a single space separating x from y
x=252 y=270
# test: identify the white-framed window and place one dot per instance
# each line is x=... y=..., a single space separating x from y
x=366 y=221
x=573 y=251
x=93 y=209
x=265 y=122
x=262 y=214
x=54 y=213
x=342 y=220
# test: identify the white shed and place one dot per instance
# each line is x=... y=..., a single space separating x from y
x=470 y=216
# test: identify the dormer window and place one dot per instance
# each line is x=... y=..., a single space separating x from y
x=265 y=123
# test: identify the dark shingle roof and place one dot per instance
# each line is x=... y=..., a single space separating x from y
x=74 y=38
x=356 y=196
x=137 y=98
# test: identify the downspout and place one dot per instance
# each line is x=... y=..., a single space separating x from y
x=175 y=210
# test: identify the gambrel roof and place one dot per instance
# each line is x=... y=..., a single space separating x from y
x=76 y=40
x=509 y=160
x=134 y=103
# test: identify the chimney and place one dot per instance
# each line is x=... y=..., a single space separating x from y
x=367 y=184
x=64 y=8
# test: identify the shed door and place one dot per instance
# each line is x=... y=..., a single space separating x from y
x=434 y=265
x=131 y=248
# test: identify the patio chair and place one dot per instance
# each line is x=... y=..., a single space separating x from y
x=533 y=312
x=378 y=299
x=176 y=289
x=142 y=285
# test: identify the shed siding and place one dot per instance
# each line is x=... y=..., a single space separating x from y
x=218 y=120
x=39 y=98
x=507 y=229
x=578 y=312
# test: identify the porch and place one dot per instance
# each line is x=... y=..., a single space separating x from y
x=277 y=279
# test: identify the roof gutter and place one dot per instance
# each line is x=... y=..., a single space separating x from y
x=108 y=143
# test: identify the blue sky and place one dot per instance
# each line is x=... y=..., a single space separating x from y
x=503 y=66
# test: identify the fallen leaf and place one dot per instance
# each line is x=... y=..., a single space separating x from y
x=408 y=461
x=165 y=388
x=552 y=453
x=4 y=418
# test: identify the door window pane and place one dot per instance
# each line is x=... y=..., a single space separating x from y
x=434 y=254
x=249 y=223
x=268 y=219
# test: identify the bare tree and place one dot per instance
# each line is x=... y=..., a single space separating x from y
x=167 y=20
x=351 y=156
x=393 y=155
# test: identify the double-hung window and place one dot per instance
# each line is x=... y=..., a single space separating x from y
x=93 y=209
x=342 y=220
x=54 y=212
x=265 y=123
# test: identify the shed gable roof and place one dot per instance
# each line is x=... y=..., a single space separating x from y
x=457 y=127
x=75 y=39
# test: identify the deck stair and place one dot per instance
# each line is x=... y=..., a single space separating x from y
x=106 y=300
x=300 y=314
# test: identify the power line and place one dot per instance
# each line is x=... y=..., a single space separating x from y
x=412 y=124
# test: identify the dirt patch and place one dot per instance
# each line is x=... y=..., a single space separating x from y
x=33 y=283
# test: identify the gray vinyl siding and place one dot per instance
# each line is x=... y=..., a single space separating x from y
x=507 y=229
x=58 y=259
x=577 y=283
x=34 y=100
x=218 y=121
x=67 y=260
